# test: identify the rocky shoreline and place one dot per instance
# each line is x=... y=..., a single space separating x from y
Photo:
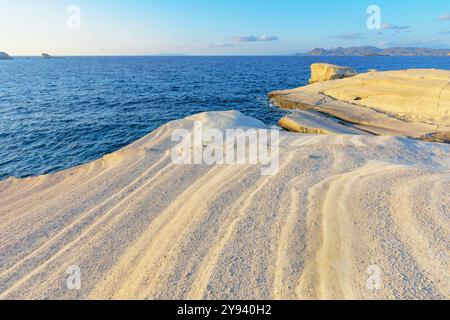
x=412 y=103
x=137 y=225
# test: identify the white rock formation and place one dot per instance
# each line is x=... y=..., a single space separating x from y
x=313 y=122
x=340 y=210
x=413 y=103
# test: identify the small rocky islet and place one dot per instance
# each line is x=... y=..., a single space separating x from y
x=5 y=56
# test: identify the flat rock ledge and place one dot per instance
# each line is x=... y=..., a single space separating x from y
x=412 y=103
x=313 y=122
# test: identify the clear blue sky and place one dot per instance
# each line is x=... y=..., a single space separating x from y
x=209 y=27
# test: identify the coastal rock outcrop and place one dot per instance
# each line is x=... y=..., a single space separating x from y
x=324 y=72
x=5 y=56
x=413 y=103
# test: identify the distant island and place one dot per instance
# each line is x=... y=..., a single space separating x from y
x=374 y=51
x=5 y=56
x=47 y=56
x=170 y=54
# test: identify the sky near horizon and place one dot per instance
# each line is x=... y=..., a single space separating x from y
x=215 y=27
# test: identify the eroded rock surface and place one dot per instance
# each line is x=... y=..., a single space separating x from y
x=413 y=103
x=140 y=227
x=324 y=72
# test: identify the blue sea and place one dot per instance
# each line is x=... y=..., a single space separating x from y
x=56 y=114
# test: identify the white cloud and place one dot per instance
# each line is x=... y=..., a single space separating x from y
x=250 y=38
x=444 y=17
x=389 y=26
